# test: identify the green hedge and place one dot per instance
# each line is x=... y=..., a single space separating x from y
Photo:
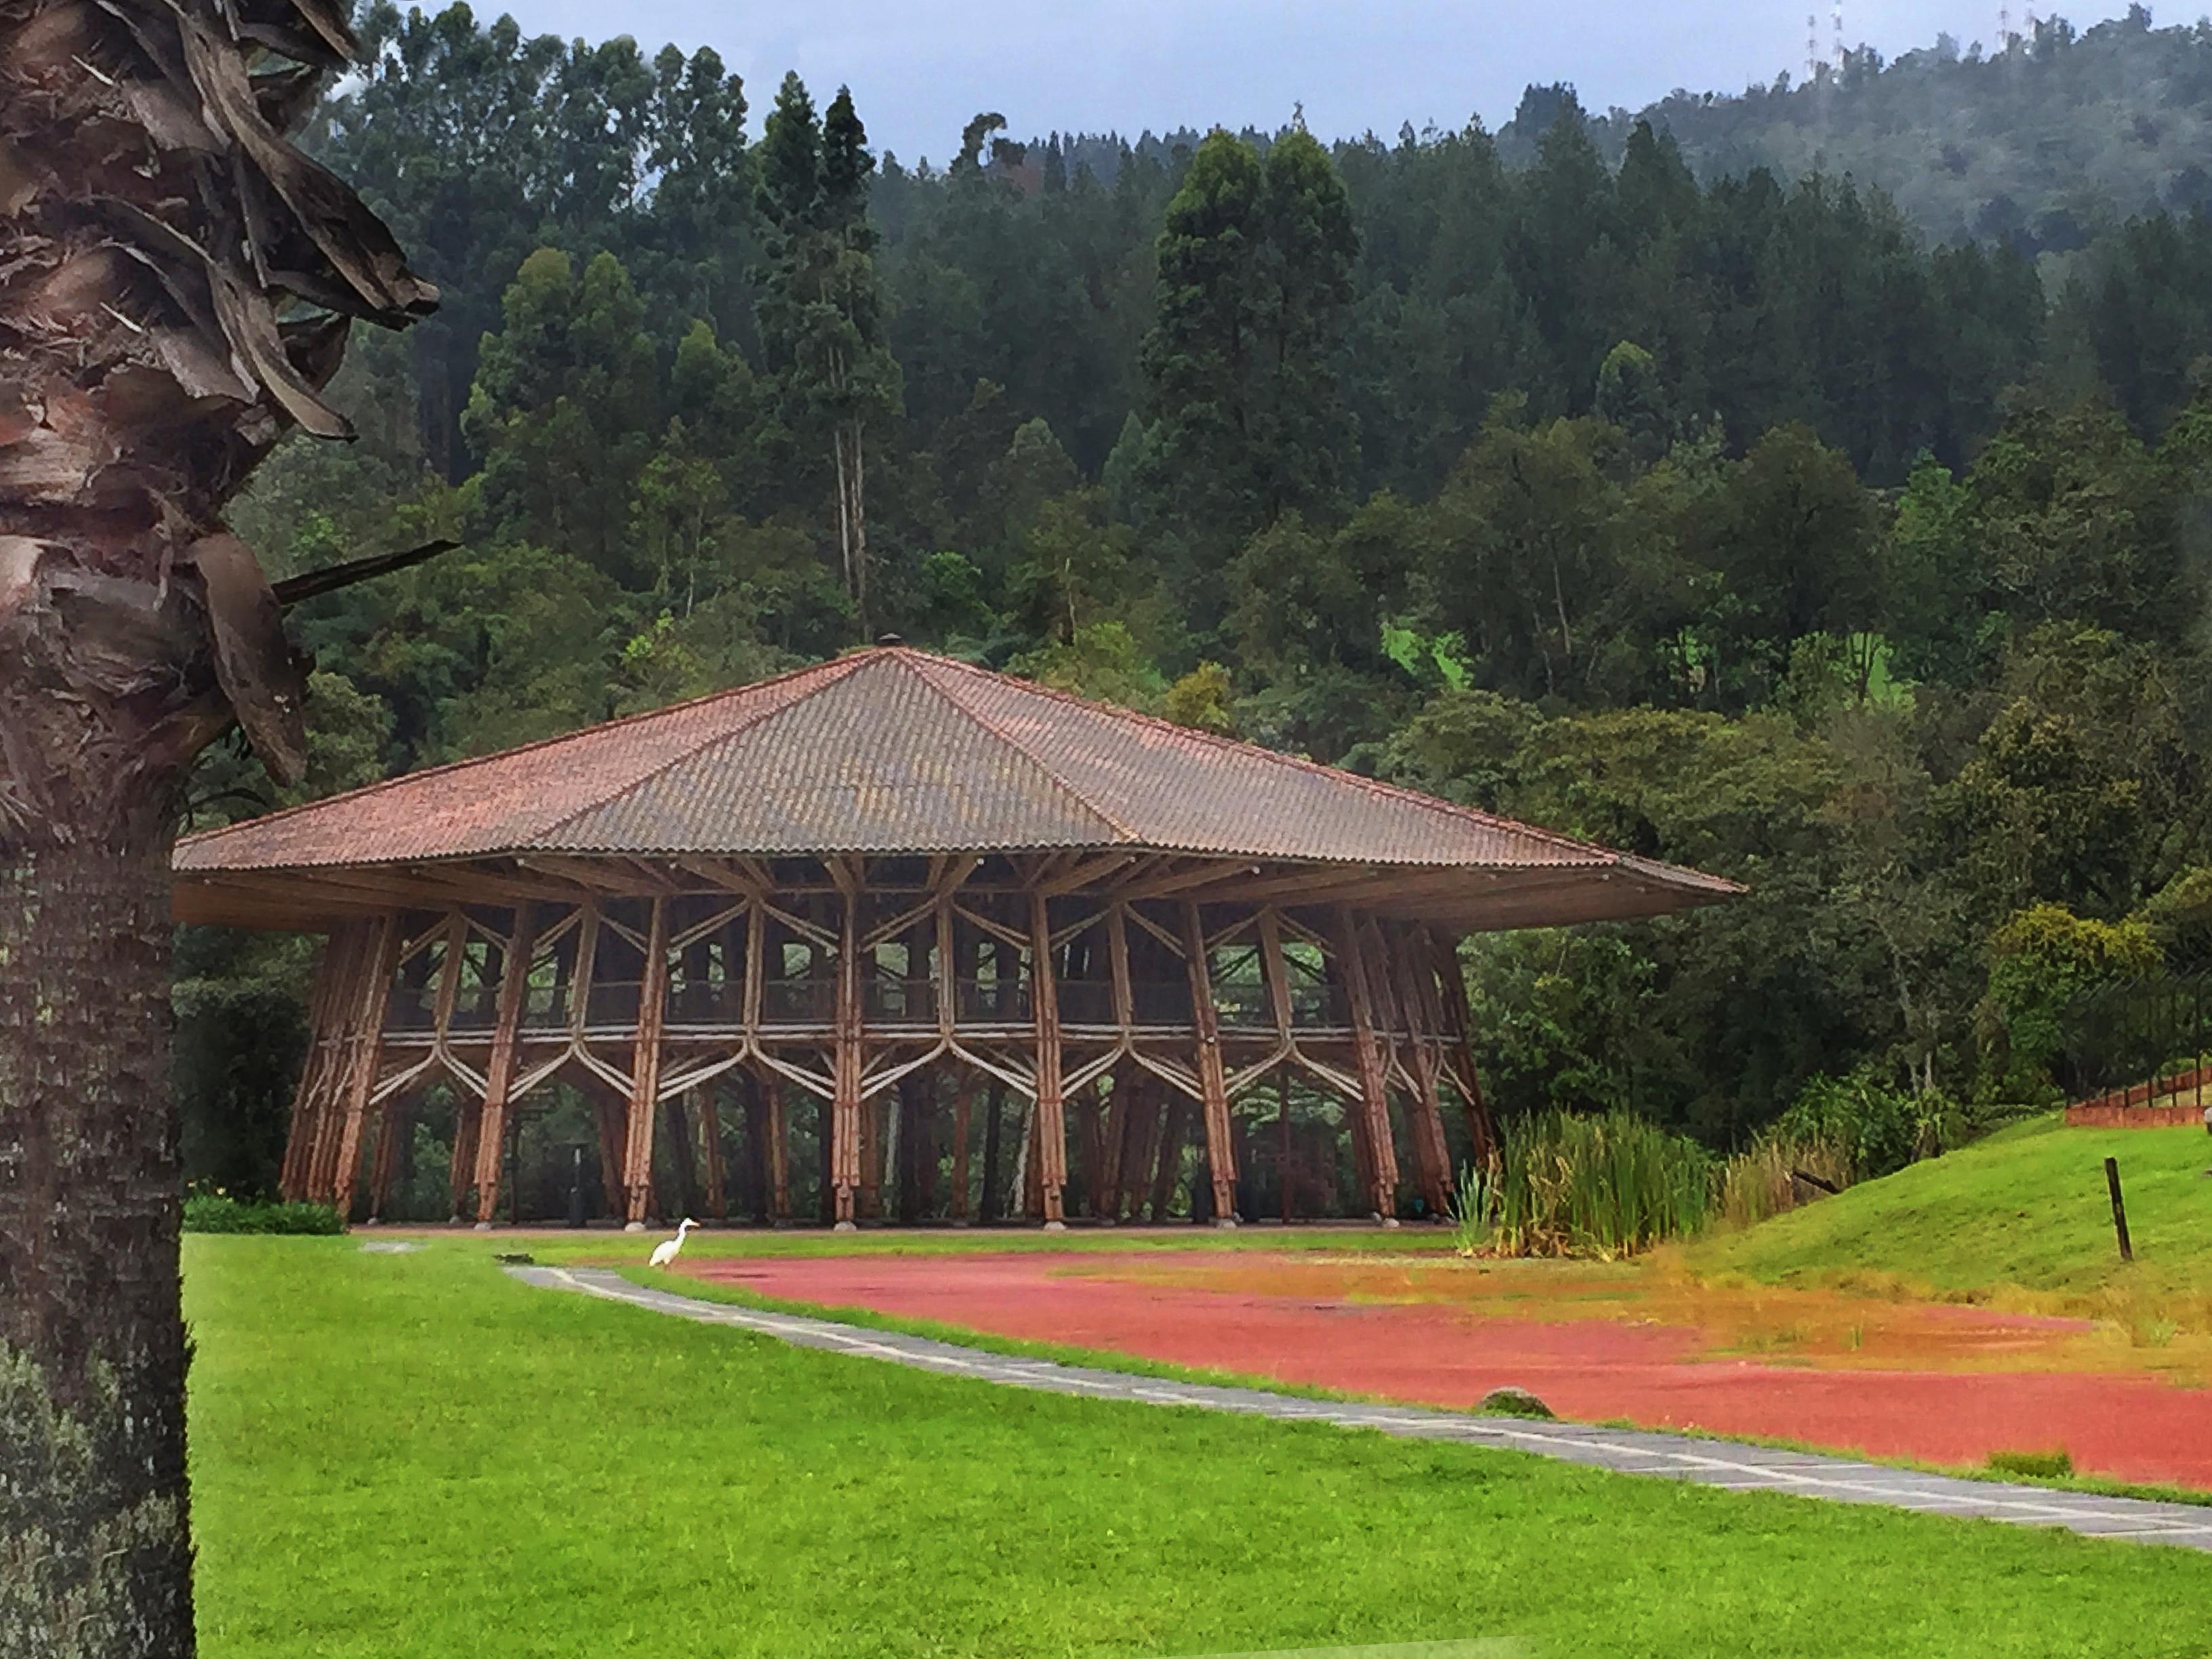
x=216 y=1212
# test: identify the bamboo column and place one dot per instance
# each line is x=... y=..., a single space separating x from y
x=1212 y=1078
x=390 y=1124
x=1374 y=1096
x=490 y=1128
x=645 y=1074
x=607 y=1115
x=461 y=1170
x=1051 y=1131
x=845 y=1131
x=1482 y=1139
x=326 y=1006
x=963 y=1097
x=779 y=1149
x=1175 y=1129
x=1417 y=997
x=342 y=1177
x=709 y=1119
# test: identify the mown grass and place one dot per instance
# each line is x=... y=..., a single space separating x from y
x=562 y=1248
x=2026 y=1208
x=410 y=1454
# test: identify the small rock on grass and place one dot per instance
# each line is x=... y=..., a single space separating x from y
x=1513 y=1402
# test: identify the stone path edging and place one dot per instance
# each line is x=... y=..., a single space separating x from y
x=1729 y=1464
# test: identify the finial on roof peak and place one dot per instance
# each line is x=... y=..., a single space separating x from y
x=889 y=639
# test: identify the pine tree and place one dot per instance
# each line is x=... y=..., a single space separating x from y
x=820 y=309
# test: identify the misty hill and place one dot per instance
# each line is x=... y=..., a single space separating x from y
x=2038 y=144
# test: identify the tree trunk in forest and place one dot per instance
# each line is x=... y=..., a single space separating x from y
x=176 y=285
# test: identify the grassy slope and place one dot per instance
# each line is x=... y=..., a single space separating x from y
x=399 y=1455
x=2027 y=1207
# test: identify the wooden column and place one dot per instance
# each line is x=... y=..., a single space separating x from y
x=391 y=1123
x=1113 y=1130
x=490 y=1129
x=1374 y=1096
x=461 y=1168
x=963 y=1097
x=1212 y=1076
x=709 y=1116
x=327 y=1005
x=1283 y=1139
x=1140 y=1143
x=845 y=1161
x=1167 y=1156
x=607 y=1112
x=645 y=1074
x=779 y=1149
x=1417 y=998
x=1482 y=1139
x=683 y=1154
x=1051 y=1131
x=367 y=1054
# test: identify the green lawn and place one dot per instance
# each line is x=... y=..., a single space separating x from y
x=412 y=1455
x=2025 y=1208
x=560 y=1247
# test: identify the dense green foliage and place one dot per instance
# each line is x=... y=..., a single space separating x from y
x=574 y=1475
x=1729 y=519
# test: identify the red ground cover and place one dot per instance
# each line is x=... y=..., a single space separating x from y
x=2132 y=1427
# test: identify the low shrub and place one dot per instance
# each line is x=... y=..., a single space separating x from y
x=219 y=1212
x=2040 y=1465
x=1878 y=1127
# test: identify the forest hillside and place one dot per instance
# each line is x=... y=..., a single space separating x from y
x=1719 y=512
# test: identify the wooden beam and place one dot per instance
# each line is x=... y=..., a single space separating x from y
x=1212 y=1075
x=491 y=1135
x=645 y=1073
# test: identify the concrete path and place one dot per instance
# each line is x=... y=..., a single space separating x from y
x=1725 y=1463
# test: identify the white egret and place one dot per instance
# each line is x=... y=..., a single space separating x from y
x=663 y=1254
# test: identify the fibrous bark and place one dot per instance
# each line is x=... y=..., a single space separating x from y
x=176 y=283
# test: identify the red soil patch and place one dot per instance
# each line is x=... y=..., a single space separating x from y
x=2134 y=1427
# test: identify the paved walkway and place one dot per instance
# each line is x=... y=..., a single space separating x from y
x=1725 y=1463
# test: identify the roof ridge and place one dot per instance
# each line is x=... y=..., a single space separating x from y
x=847 y=664
x=907 y=659
x=1335 y=773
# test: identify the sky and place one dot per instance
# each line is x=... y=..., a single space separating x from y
x=920 y=68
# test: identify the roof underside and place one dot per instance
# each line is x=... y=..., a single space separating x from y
x=893 y=751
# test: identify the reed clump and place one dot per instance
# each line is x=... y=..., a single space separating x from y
x=1778 y=1173
x=1606 y=1186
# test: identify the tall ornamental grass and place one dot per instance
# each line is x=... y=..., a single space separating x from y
x=1606 y=1186
x=1761 y=1183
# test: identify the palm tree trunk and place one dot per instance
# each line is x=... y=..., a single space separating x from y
x=176 y=281
x=92 y=1348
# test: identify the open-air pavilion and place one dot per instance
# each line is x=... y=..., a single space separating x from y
x=791 y=941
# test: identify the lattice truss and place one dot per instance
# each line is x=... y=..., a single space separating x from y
x=839 y=979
